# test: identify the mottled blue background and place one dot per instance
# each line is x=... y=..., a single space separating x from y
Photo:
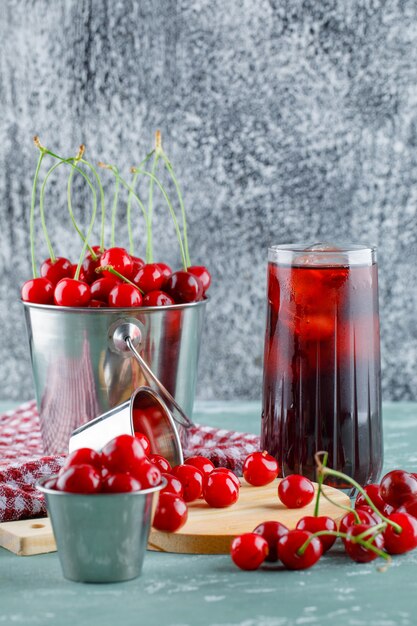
x=286 y=120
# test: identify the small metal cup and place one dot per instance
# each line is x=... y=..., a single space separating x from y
x=101 y=538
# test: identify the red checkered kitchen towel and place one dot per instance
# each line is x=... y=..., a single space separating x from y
x=22 y=462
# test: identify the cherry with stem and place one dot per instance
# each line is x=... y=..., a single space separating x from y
x=110 y=268
x=42 y=152
x=129 y=200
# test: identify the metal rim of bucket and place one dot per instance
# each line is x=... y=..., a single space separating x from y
x=99 y=494
x=104 y=310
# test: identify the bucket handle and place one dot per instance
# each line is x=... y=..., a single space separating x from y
x=126 y=337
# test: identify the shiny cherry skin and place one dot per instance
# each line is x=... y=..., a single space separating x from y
x=79 y=479
x=149 y=278
x=404 y=541
x=171 y=513
x=165 y=269
x=191 y=479
x=137 y=264
x=317 y=524
x=249 y=551
x=71 y=292
x=123 y=454
x=349 y=520
x=409 y=506
x=357 y=552
x=84 y=456
x=375 y=516
x=398 y=486
x=202 y=274
x=260 y=468
x=289 y=546
x=38 y=291
x=89 y=267
x=148 y=474
x=157 y=298
x=120 y=483
x=161 y=462
x=201 y=463
x=101 y=287
x=146 y=444
x=124 y=296
x=272 y=532
x=295 y=491
x=173 y=485
x=97 y=304
x=184 y=287
x=220 y=490
x=229 y=473
x=54 y=271
x=119 y=259
x=372 y=492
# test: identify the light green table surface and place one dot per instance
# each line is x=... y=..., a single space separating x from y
x=182 y=590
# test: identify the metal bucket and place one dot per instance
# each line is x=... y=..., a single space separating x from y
x=83 y=367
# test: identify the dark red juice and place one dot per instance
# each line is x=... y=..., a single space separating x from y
x=321 y=386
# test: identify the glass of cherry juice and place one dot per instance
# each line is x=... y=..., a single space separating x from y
x=321 y=387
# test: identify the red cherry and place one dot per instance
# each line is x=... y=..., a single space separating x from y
x=191 y=479
x=84 y=456
x=317 y=524
x=272 y=533
x=124 y=295
x=146 y=444
x=349 y=520
x=220 y=490
x=71 y=292
x=165 y=269
x=119 y=259
x=409 y=506
x=79 y=479
x=38 y=291
x=184 y=287
x=173 y=485
x=249 y=551
x=96 y=249
x=157 y=298
x=54 y=271
x=120 y=483
x=201 y=463
x=356 y=551
x=97 y=304
x=398 y=486
x=148 y=474
x=89 y=267
x=260 y=468
x=149 y=278
x=161 y=462
x=101 y=287
x=123 y=454
x=375 y=516
x=229 y=473
x=290 y=544
x=171 y=513
x=202 y=274
x=295 y=491
x=137 y=264
x=406 y=540
x=372 y=492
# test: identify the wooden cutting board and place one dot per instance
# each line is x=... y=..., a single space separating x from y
x=207 y=531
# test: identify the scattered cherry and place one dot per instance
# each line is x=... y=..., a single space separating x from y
x=37 y=291
x=124 y=295
x=229 y=473
x=149 y=278
x=295 y=491
x=202 y=274
x=119 y=259
x=398 y=486
x=249 y=551
x=201 y=463
x=191 y=479
x=123 y=454
x=173 y=485
x=54 y=271
x=260 y=468
x=358 y=552
x=157 y=298
x=272 y=532
x=72 y=292
x=220 y=490
x=161 y=462
x=84 y=456
x=315 y=524
x=404 y=541
x=290 y=544
x=120 y=483
x=144 y=441
x=184 y=287
x=79 y=479
x=171 y=513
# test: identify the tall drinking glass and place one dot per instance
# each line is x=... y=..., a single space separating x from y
x=321 y=388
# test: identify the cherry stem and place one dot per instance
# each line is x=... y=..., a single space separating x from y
x=326 y=471
x=42 y=211
x=32 y=207
x=102 y=200
x=354 y=539
x=115 y=171
x=110 y=268
x=149 y=242
x=344 y=507
x=320 y=482
x=129 y=202
x=69 y=201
